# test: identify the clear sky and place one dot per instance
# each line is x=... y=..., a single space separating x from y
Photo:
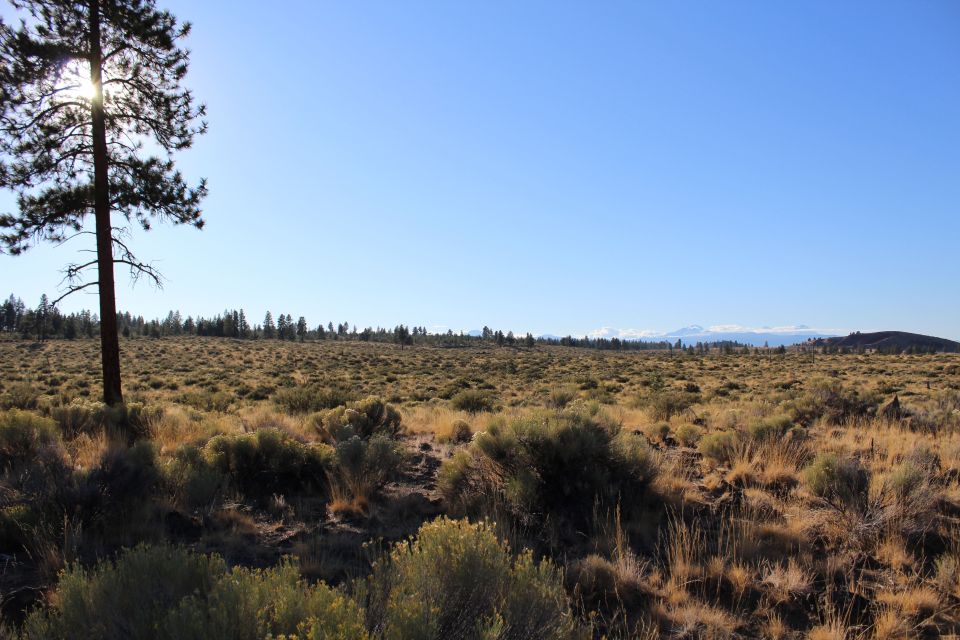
x=562 y=166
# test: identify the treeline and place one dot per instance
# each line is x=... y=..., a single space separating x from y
x=46 y=322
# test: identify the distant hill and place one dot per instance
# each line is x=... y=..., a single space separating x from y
x=890 y=341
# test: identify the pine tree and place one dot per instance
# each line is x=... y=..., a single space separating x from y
x=41 y=316
x=269 y=330
x=84 y=86
x=302 y=328
x=401 y=335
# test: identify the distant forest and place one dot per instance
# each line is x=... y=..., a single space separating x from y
x=46 y=322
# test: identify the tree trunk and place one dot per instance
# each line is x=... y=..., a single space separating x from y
x=109 y=338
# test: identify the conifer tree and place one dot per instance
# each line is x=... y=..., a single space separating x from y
x=269 y=330
x=86 y=86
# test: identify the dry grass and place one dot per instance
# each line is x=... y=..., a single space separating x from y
x=717 y=549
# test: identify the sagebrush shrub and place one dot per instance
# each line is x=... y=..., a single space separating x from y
x=555 y=465
x=190 y=481
x=21 y=395
x=838 y=479
x=169 y=593
x=311 y=398
x=719 y=446
x=832 y=402
x=665 y=404
x=457 y=580
x=561 y=396
x=268 y=461
x=364 y=419
x=126 y=599
x=769 y=428
x=688 y=434
x=472 y=401
x=22 y=435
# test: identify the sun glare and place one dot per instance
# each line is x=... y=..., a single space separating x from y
x=85 y=89
x=78 y=85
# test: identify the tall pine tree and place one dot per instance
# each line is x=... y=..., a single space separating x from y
x=84 y=86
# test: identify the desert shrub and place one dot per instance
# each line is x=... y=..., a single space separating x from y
x=905 y=479
x=189 y=480
x=364 y=419
x=548 y=465
x=658 y=431
x=719 y=446
x=22 y=435
x=123 y=599
x=831 y=401
x=457 y=580
x=840 y=480
x=459 y=432
x=688 y=434
x=364 y=466
x=21 y=395
x=79 y=416
x=560 y=397
x=769 y=428
x=311 y=398
x=16 y=522
x=122 y=482
x=251 y=604
x=170 y=593
x=472 y=401
x=454 y=387
x=268 y=461
x=665 y=404
x=204 y=400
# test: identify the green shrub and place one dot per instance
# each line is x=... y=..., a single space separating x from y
x=456 y=580
x=665 y=404
x=16 y=521
x=170 y=593
x=561 y=396
x=472 y=401
x=906 y=479
x=217 y=401
x=839 y=480
x=190 y=481
x=80 y=416
x=459 y=433
x=312 y=398
x=268 y=462
x=364 y=419
x=20 y=396
x=769 y=428
x=123 y=482
x=126 y=599
x=719 y=446
x=658 y=431
x=252 y=604
x=829 y=400
x=374 y=461
x=22 y=435
x=688 y=434
x=548 y=465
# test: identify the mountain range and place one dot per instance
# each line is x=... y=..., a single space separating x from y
x=771 y=336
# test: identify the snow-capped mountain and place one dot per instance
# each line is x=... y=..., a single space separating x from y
x=772 y=336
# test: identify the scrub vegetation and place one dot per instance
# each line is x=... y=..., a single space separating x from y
x=350 y=489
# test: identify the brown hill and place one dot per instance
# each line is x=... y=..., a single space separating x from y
x=890 y=341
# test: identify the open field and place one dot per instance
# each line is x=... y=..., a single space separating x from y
x=661 y=494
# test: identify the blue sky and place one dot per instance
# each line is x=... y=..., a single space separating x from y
x=564 y=166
